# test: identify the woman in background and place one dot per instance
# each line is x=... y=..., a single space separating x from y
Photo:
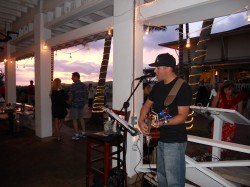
x=228 y=99
x=59 y=105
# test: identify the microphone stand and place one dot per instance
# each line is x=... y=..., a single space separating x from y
x=126 y=103
x=125 y=107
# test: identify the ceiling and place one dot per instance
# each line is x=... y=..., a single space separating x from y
x=12 y=10
x=62 y=16
x=17 y=16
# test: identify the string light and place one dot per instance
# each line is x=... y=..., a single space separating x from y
x=24 y=64
x=100 y=90
x=71 y=52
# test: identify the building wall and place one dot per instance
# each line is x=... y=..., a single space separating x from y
x=236 y=47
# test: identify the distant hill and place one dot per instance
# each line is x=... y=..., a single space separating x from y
x=109 y=83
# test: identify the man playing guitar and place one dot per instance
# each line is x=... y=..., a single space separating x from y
x=173 y=136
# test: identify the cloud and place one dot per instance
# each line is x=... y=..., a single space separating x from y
x=87 y=59
x=229 y=22
x=154 y=38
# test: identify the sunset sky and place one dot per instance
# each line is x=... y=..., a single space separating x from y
x=87 y=59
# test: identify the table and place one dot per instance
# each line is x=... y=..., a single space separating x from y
x=9 y=111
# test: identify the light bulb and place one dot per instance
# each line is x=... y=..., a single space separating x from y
x=188 y=43
x=45 y=45
x=109 y=32
x=147 y=31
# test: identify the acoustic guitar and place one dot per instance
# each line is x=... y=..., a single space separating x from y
x=153 y=117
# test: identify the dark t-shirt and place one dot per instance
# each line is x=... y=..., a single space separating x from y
x=171 y=133
x=59 y=104
x=31 y=90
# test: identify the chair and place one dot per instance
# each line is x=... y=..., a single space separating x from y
x=101 y=143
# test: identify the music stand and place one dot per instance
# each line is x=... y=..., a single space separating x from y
x=220 y=116
x=125 y=124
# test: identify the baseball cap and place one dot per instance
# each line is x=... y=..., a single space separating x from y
x=164 y=59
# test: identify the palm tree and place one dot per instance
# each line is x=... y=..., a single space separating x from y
x=199 y=57
x=180 y=69
x=198 y=61
x=188 y=49
x=99 y=96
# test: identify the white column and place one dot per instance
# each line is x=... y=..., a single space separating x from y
x=10 y=75
x=43 y=116
x=127 y=66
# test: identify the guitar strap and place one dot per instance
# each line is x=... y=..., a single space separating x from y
x=173 y=92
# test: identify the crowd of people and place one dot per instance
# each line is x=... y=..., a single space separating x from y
x=173 y=135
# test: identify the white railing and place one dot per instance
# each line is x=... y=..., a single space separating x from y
x=202 y=174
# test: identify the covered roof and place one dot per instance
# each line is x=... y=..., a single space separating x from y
x=194 y=40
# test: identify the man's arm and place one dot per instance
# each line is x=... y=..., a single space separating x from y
x=176 y=120
x=215 y=100
x=143 y=114
x=180 y=117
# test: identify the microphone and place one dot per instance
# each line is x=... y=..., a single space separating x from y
x=152 y=74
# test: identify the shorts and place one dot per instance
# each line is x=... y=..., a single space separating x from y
x=76 y=113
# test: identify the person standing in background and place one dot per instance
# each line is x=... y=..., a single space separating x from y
x=2 y=90
x=146 y=91
x=202 y=95
x=91 y=94
x=59 y=105
x=228 y=99
x=77 y=97
x=31 y=93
